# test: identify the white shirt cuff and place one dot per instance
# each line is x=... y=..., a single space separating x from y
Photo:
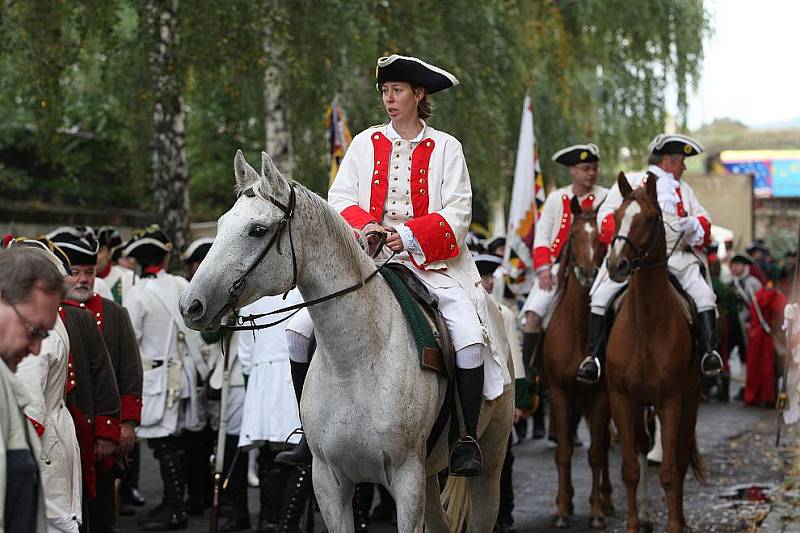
x=410 y=243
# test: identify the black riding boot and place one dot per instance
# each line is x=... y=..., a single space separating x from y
x=723 y=388
x=234 y=497
x=591 y=367
x=362 y=503
x=171 y=513
x=711 y=363
x=300 y=455
x=466 y=458
x=273 y=484
x=529 y=343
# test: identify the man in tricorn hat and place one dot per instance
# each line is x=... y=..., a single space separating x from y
x=117 y=278
x=115 y=326
x=172 y=361
x=683 y=214
x=552 y=232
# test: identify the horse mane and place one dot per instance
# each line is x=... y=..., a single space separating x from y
x=338 y=230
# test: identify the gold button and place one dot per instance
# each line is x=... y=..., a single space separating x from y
x=377 y=182
x=428 y=143
x=422 y=180
x=422 y=191
x=563 y=225
x=376 y=172
x=441 y=224
x=83 y=305
x=591 y=197
x=376 y=136
x=99 y=322
x=447 y=234
x=397 y=155
x=558 y=240
x=452 y=246
x=398 y=143
x=396 y=167
x=97 y=315
x=422 y=171
x=372 y=209
x=72 y=382
x=108 y=422
x=377 y=162
x=564 y=197
x=69 y=365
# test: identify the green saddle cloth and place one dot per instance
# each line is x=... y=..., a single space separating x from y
x=415 y=316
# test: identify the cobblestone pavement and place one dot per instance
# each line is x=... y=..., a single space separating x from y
x=749 y=480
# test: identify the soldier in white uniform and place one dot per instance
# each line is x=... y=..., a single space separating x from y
x=171 y=359
x=552 y=232
x=117 y=278
x=409 y=181
x=683 y=216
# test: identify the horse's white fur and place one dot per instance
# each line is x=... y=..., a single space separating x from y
x=589 y=229
x=628 y=215
x=367 y=406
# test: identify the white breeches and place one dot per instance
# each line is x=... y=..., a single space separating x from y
x=457 y=310
x=540 y=301
x=682 y=265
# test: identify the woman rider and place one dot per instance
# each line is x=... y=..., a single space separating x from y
x=410 y=181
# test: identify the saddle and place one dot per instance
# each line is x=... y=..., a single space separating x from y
x=434 y=347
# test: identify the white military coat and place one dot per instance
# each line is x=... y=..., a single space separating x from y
x=44 y=377
x=422 y=188
x=171 y=355
x=270 y=407
x=119 y=279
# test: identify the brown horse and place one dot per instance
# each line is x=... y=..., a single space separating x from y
x=650 y=356
x=564 y=349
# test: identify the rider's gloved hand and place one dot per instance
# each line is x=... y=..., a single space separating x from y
x=545 y=279
x=692 y=230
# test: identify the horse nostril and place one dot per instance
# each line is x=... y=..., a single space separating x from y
x=624 y=266
x=195 y=309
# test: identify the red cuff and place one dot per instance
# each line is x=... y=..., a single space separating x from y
x=541 y=257
x=607 y=227
x=106 y=427
x=435 y=237
x=357 y=217
x=36 y=425
x=706 y=229
x=130 y=408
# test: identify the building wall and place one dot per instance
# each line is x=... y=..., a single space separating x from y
x=729 y=200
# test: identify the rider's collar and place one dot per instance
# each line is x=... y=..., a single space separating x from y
x=392 y=134
x=661 y=173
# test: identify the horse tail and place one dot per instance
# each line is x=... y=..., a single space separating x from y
x=457 y=504
x=696 y=461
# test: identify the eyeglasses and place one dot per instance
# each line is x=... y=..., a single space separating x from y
x=35 y=333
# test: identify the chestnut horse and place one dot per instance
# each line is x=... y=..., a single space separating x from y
x=650 y=356
x=564 y=349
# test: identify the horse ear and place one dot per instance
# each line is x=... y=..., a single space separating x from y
x=245 y=174
x=652 y=187
x=268 y=168
x=575 y=206
x=624 y=187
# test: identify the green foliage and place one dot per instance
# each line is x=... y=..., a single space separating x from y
x=76 y=102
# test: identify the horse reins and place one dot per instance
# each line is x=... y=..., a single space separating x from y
x=286 y=223
x=638 y=262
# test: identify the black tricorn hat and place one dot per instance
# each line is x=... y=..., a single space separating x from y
x=80 y=250
x=149 y=241
x=413 y=70
x=487 y=263
x=50 y=249
x=198 y=250
x=743 y=258
x=576 y=154
x=674 y=143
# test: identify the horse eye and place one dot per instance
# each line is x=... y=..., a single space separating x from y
x=257 y=230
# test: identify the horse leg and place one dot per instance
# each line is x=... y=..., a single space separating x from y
x=408 y=489
x=435 y=519
x=604 y=418
x=560 y=409
x=624 y=416
x=597 y=415
x=334 y=494
x=688 y=443
x=484 y=490
x=670 y=415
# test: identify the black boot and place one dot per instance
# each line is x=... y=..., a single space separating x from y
x=723 y=388
x=298 y=492
x=300 y=455
x=234 y=497
x=171 y=514
x=591 y=367
x=529 y=343
x=273 y=482
x=466 y=458
x=362 y=503
x=711 y=363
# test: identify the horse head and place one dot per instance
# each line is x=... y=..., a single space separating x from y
x=253 y=254
x=585 y=248
x=639 y=226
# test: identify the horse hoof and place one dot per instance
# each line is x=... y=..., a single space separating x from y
x=561 y=522
x=609 y=510
x=597 y=522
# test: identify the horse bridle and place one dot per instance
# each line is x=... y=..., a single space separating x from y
x=285 y=223
x=638 y=261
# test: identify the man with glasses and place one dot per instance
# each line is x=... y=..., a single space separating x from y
x=31 y=288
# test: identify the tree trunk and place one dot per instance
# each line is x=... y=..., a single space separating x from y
x=277 y=131
x=170 y=167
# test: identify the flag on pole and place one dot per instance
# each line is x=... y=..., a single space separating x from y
x=527 y=198
x=339 y=136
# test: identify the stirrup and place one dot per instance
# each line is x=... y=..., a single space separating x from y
x=467 y=470
x=286 y=444
x=711 y=373
x=589 y=381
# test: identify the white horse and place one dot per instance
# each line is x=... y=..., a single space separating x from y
x=367 y=407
